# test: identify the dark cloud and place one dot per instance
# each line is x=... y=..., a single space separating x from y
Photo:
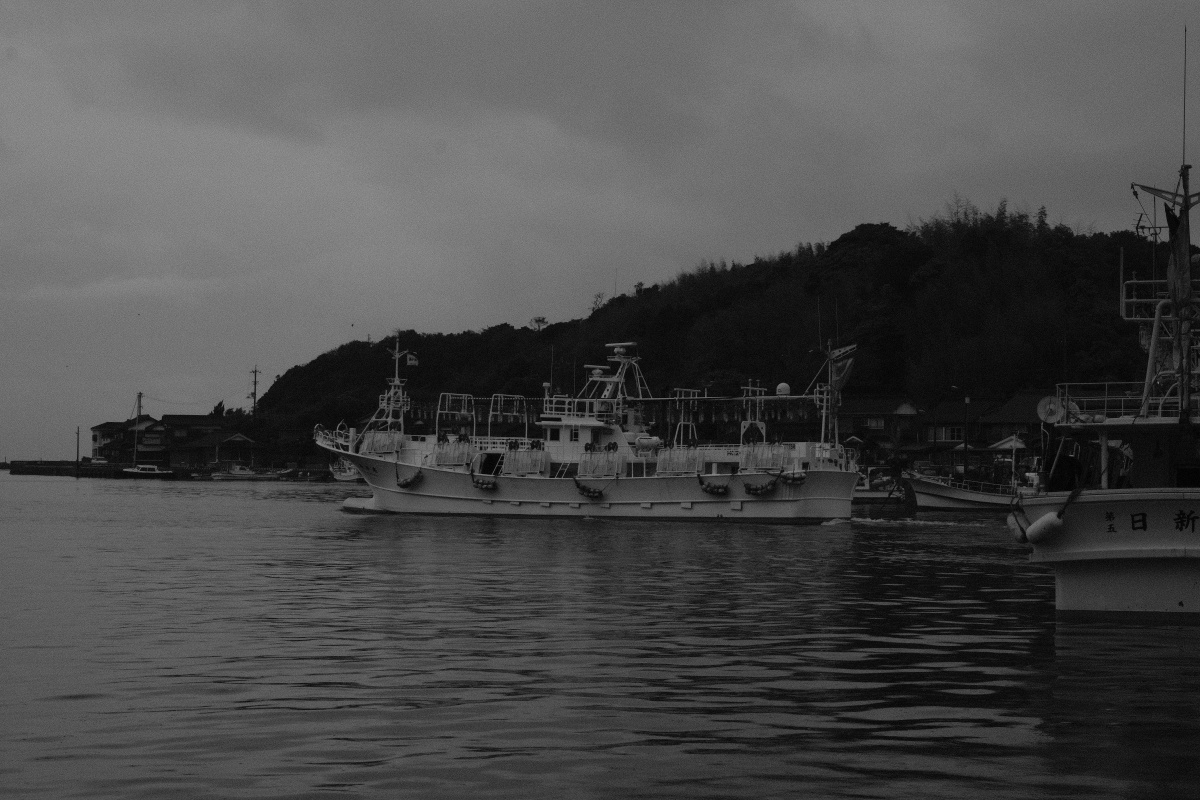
x=188 y=185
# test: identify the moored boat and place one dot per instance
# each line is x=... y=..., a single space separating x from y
x=240 y=472
x=1118 y=519
x=146 y=471
x=344 y=470
x=939 y=493
x=597 y=454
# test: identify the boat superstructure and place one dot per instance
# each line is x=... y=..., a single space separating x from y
x=600 y=453
x=1118 y=520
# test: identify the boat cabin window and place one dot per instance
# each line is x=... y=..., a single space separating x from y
x=554 y=435
x=574 y=434
x=595 y=436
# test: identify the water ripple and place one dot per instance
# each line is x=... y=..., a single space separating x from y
x=216 y=640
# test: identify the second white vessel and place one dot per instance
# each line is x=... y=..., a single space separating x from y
x=595 y=456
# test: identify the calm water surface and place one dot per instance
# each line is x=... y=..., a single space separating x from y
x=224 y=640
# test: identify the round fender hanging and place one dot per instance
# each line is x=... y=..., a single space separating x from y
x=404 y=483
x=760 y=489
x=713 y=488
x=591 y=492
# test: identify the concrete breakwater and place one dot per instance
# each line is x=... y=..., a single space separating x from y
x=77 y=469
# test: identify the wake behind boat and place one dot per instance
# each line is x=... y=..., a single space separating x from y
x=596 y=454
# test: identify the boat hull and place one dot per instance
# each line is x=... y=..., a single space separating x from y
x=824 y=495
x=937 y=496
x=1122 y=550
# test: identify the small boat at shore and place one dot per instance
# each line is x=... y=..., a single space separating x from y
x=1119 y=519
x=343 y=470
x=597 y=454
x=240 y=472
x=146 y=471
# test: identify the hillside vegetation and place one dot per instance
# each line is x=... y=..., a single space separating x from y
x=993 y=303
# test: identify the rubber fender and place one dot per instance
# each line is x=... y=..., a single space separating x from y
x=1044 y=528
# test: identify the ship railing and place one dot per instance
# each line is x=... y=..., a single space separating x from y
x=483 y=443
x=766 y=458
x=1140 y=298
x=974 y=486
x=381 y=441
x=452 y=454
x=602 y=464
x=680 y=461
x=340 y=439
x=1095 y=402
x=523 y=462
x=603 y=410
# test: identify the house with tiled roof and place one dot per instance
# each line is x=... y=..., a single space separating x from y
x=1016 y=417
x=878 y=424
x=104 y=435
x=143 y=438
x=217 y=447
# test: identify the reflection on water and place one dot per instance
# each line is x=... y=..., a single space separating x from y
x=213 y=640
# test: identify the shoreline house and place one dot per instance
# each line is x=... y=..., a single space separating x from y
x=116 y=442
x=977 y=435
x=177 y=441
x=880 y=427
x=1016 y=417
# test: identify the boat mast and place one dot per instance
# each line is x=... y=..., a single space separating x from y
x=137 y=417
x=1179 y=266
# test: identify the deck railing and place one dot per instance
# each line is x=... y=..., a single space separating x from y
x=602 y=410
x=1096 y=402
x=974 y=486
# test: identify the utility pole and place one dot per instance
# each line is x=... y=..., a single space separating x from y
x=254 y=373
x=966 y=424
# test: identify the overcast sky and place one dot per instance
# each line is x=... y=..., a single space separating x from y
x=190 y=189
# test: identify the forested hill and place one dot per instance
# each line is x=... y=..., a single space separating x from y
x=993 y=303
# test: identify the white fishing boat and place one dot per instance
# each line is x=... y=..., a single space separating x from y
x=146 y=471
x=344 y=470
x=595 y=454
x=1118 y=521
x=240 y=472
x=939 y=493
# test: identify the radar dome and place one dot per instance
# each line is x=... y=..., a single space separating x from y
x=783 y=390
